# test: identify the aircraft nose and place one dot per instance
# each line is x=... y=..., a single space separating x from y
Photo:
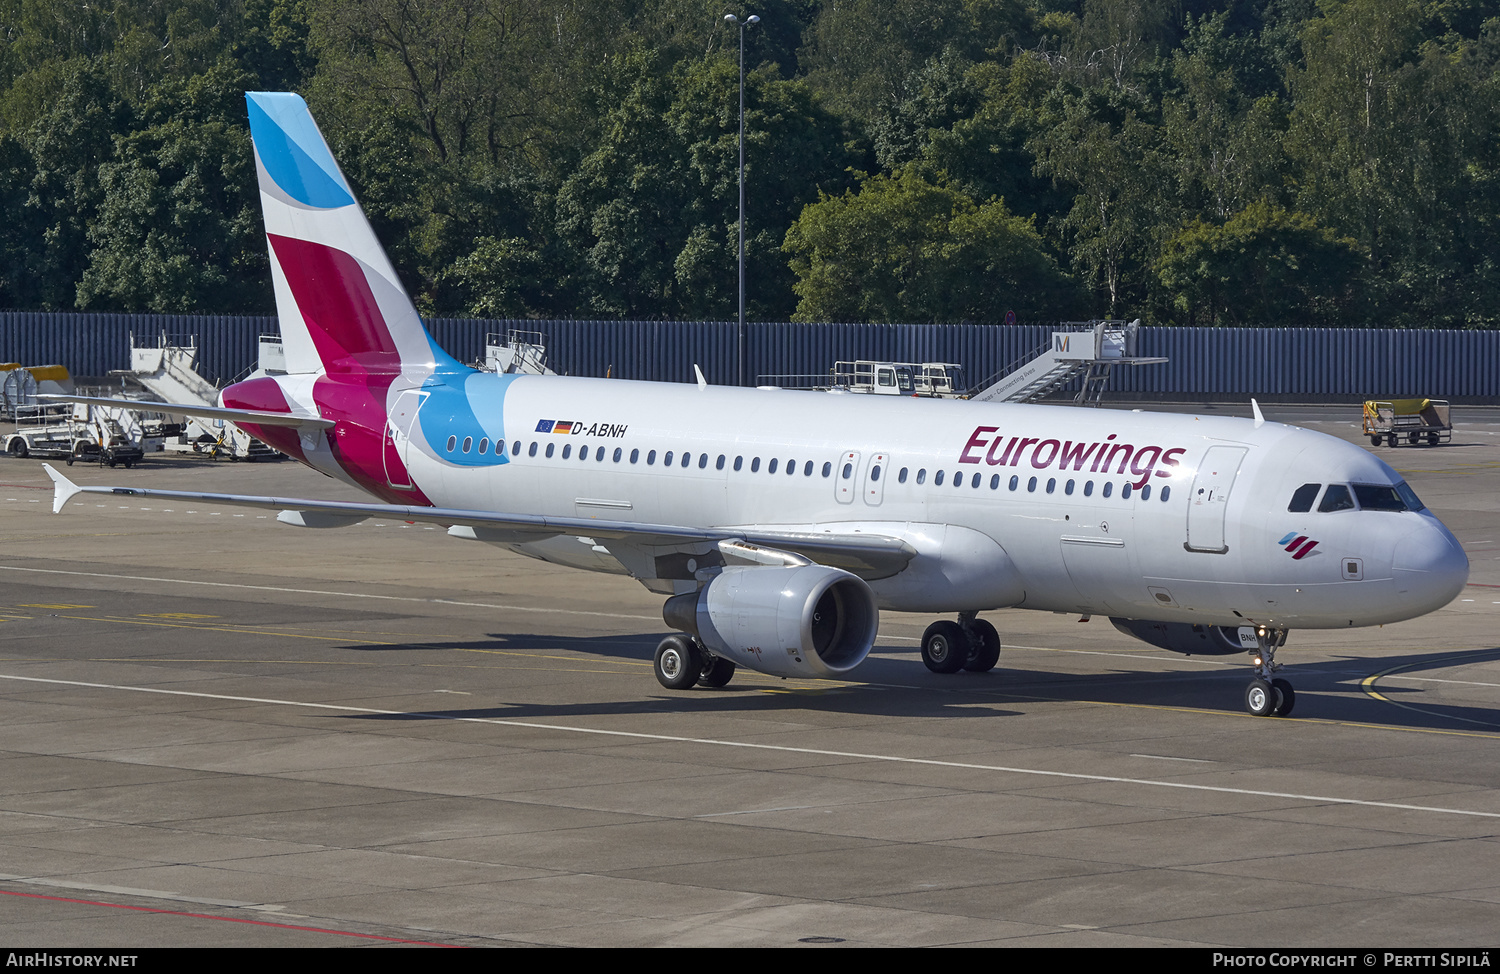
x=1430 y=568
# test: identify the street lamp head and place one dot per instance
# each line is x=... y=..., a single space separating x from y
x=749 y=21
x=731 y=19
x=753 y=19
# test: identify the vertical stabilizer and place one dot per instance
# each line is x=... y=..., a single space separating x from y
x=341 y=306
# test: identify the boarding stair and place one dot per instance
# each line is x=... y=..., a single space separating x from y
x=1089 y=352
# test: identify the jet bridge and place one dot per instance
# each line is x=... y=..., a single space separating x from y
x=1089 y=352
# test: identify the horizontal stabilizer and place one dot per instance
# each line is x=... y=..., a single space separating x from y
x=260 y=417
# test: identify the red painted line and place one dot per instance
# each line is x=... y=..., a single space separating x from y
x=1480 y=585
x=209 y=916
x=25 y=486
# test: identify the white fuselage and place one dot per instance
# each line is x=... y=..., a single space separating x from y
x=1130 y=514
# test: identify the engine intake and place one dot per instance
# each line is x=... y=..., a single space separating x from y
x=805 y=620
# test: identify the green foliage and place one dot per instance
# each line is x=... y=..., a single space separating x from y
x=559 y=157
x=652 y=212
x=905 y=249
x=178 y=225
x=1394 y=135
x=1264 y=265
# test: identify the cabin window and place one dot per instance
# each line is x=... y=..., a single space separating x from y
x=1125 y=491
x=807 y=469
x=703 y=461
x=651 y=458
x=1015 y=482
x=828 y=469
x=618 y=453
x=1109 y=488
x=848 y=469
x=1068 y=488
x=1031 y=485
x=567 y=450
x=452 y=443
x=1051 y=484
x=530 y=450
x=1376 y=497
x=1165 y=493
x=599 y=454
x=1088 y=488
x=719 y=463
x=755 y=465
x=499 y=448
x=994 y=481
x=635 y=455
x=550 y=447
x=484 y=446
x=687 y=458
x=1336 y=498
x=666 y=459
x=900 y=477
x=1146 y=493
x=583 y=452
x=937 y=478
x=874 y=473
x=515 y=448
x=791 y=468
x=739 y=462
x=922 y=476
x=468 y=443
x=771 y=467
x=977 y=479
x=1303 y=497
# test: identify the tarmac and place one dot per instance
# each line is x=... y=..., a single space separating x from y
x=218 y=730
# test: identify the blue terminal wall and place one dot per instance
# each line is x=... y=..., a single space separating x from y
x=1286 y=364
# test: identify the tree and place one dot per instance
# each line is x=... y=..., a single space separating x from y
x=1262 y=266
x=178 y=226
x=905 y=249
x=652 y=212
x=1393 y=136
x=1096 y=143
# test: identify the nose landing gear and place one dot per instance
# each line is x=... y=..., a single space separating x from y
x=1268 y=696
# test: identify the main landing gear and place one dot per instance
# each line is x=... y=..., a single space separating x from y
x=681 y=662
x=969 y=644
x=1267 y=696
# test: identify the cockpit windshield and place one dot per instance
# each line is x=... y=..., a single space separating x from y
x=1349 y=497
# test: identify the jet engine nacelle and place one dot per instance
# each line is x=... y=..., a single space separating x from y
x=1184 y=637
x=803 y=620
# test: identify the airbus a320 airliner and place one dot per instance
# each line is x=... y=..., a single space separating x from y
x=779 y=523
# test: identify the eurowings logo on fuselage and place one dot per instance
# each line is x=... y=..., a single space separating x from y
x=1300 y=545
x=1142 y=461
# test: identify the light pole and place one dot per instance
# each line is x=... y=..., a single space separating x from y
x=740 y=335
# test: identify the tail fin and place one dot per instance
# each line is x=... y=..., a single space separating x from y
x=342 y=309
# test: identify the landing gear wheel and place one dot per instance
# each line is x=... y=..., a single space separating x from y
x=985 y=647
x=945 y=647
x=678 y=663
x=1261 y=698
x=1288 y=697
x=717 y=672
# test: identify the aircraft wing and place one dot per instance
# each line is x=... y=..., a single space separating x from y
x=260 y=416
x=870 y=556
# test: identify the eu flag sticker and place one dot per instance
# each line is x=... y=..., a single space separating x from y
x=544 y=426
